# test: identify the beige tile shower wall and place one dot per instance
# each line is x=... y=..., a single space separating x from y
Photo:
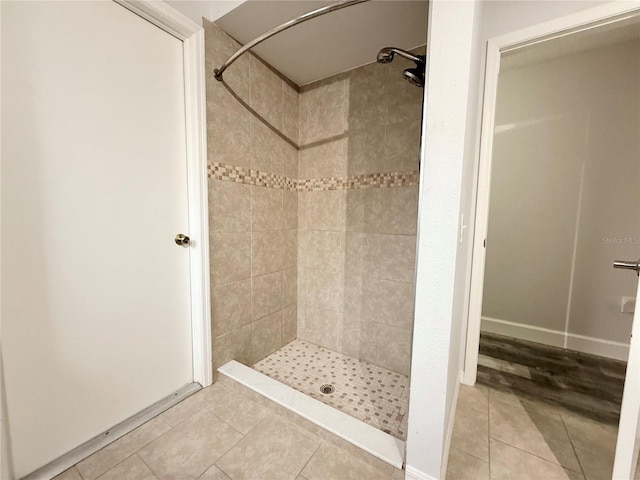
x=356 y=249
x=253 y=229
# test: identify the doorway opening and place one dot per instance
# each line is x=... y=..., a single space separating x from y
x=558 y=201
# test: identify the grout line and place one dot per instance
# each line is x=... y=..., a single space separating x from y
x=470 y=454
x=566 y=431
x=255 y=114
x=212 y=412
x=312 y=455
x=251 y=276
x=145 y=463
x=573 y=447
x=242 y=437
x=120 y=463
x=219 y=467
x=534 y=455
x=154 y=439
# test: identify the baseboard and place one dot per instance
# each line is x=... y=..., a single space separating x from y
x=415 y=474
x=580 y=343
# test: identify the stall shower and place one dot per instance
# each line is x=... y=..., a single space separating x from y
x=313 y=198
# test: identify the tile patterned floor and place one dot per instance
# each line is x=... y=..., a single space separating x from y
x=224 y=432
x=586 y=384
x=369 y=393
x=500 y=435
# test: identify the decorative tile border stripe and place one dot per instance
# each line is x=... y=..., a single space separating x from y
x=232 y=173
x=371 y=180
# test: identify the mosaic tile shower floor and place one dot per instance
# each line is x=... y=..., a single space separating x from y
x=369 y=393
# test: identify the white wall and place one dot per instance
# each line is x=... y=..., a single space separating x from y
x=565 y=179
x=610 y=206
x=210 y=9
x=433 y=376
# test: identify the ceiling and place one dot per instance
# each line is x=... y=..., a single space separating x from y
x=622 y=31
x=329 y=44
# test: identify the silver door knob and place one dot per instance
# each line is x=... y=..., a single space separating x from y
x=182 y=240
x=627 y=265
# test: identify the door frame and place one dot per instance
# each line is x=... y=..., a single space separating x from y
x=560 y=27
x=192 y=36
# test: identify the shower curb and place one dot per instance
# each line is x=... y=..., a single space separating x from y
x=374 y=442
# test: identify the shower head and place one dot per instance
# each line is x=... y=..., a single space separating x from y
x=414 y=75
x=386 y=55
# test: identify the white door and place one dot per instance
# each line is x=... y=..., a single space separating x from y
x=628 y=443
x=95 y=292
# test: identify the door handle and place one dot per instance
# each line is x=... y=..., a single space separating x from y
x=627 y=265
x=182 y=240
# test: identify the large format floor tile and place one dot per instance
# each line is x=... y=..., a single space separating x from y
x=132 y=467
x=508 y=462
x=277 y=449
x=235 y=409
x=112 y=454
x=223 y=433
x=474 y=398
x=471 y=432
x=595 y=445
x=214 y=473
x=463 y=466
x=190 y=448
x=540 y=433
x=590 y=435
x=71 y=474
x=186 y=408
x=330 y=462
x=526 y=439
x=596 y=465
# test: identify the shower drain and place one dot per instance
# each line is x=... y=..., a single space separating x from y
x=327 y=388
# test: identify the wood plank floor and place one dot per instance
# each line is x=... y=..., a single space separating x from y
x=583 y=383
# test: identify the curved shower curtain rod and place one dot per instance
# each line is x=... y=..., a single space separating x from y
x=302 y=18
